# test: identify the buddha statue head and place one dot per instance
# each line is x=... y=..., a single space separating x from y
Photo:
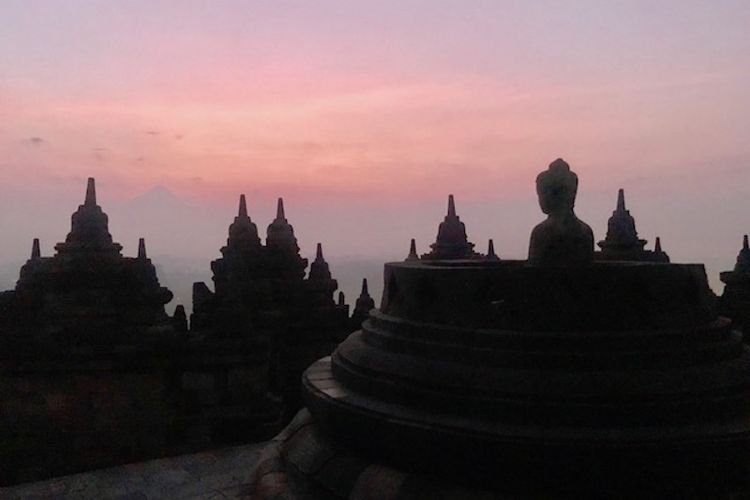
x=562 y=239
x=557 y=187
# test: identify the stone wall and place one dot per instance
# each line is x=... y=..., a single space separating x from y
x=95 y=409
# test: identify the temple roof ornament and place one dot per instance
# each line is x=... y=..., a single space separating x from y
x=451 y=242
x=280 y=233
x=35 y=251
x=89 y=230
x=243 y=233
x=412 y=251
x=319 y=269
x=622 y=237
x=363 y=306
x=743 y=258
x=142 y=249
x=491 y=255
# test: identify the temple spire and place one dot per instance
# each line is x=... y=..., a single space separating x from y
x=451 y=206
x=35 y=252
x=319 y=269
x=280 y=209
x=142 y=248
x=243 y=207
x=363 y=306
x=743 y=258
x=243 y=233
x=90 y=193
x=491 y=255
x=451 y=242
x=342 y=299
x=741 y=268
x=622 y=241
x=657 y=245
x=412 y=251
x=621 y=200
x=280 y=234
x=89 y=231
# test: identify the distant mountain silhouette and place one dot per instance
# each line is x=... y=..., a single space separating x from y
x=158 y=196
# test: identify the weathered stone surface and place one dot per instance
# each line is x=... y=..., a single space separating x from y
x=219 y=474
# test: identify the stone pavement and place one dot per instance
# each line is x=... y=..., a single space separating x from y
x=217 y=474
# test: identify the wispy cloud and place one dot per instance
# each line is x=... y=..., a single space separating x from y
x=34 y=141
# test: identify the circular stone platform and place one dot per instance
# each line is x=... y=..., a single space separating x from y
x=615 y=377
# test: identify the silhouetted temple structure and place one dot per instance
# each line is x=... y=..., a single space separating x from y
x=261 y=295
x=622 y=242
x=86 y=294
x=735 y=301
x=451 y=242
x=93 y=372
x=362 y=307
x=556 y=377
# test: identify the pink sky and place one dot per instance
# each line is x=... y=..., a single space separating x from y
x=359 y=111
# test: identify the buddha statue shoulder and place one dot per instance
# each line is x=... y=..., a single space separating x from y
x=563 y=239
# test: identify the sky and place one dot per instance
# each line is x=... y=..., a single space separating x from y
x=364 y=116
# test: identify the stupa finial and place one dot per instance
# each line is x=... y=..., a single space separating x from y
x=491 y=255
x=242 y=212
x=365 y=292
x=280 y=234
x=451 y=206
x=657 y=245
x=142 y=248
x=280 y=209
x=243 y=233
x=743 y=258
x=362 y=306
x=412 y=251
x=319 y=269
x=621 y=200
x=90 y=193
x=35 y=252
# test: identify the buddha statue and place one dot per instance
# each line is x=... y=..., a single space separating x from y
x=563 y=239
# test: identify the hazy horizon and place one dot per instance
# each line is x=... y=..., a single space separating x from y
x=365 y=116
x=183 y=236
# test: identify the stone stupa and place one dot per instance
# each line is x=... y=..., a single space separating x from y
x=88 y=293
x=556 y=377
x=451 y=242
x=622 y=241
